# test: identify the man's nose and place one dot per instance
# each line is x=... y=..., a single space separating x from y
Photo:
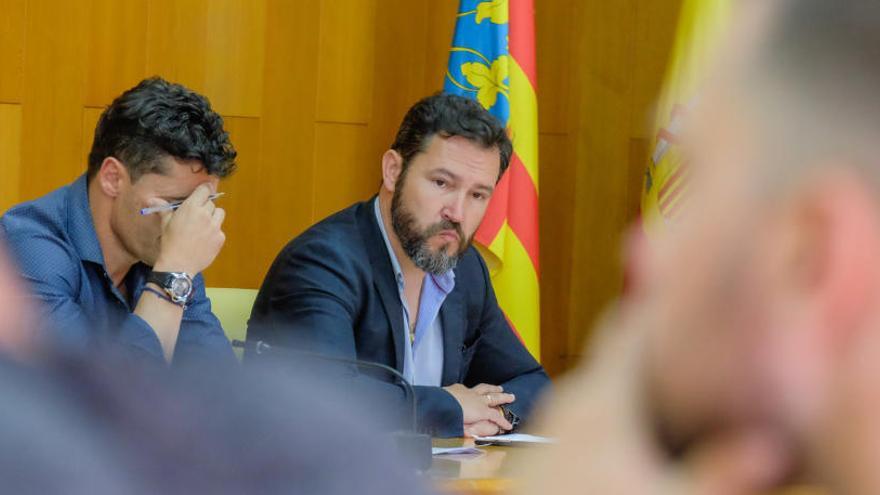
x=453 y=210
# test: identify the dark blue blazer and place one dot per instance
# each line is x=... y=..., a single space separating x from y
x=332 y=290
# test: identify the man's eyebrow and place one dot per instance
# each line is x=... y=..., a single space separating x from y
x=487 y=189
x=446 y=172
x=482 y=187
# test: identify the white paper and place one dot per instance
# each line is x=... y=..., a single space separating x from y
x=455 y=450
x=515 y=438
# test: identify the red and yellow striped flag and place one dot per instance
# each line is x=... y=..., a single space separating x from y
x=701 y=24
x=492 y=60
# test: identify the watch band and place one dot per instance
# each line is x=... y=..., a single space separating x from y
x=162 y=279
x=167 y=281
x=511 y=417
x=163 y=296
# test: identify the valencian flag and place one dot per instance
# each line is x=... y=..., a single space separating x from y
x=492 y=60
x=700 y=25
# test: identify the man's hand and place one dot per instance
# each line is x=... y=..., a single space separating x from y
x=605 y=442
x=483 y=428
x=191 y=236
x=479 y=407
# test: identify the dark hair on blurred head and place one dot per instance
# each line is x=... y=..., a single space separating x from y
x=450 y=115
x=155 y=119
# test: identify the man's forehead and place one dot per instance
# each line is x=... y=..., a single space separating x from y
x=458 y=151
x=178 y=177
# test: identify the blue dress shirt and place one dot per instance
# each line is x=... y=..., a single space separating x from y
x=53 y=240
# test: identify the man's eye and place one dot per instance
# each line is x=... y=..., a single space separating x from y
x=479 y=196
x=440 y=182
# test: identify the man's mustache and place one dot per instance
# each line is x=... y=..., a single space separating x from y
x=445 y=225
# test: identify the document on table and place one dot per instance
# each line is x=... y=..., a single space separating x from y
x=513 y=439
x=455 y=450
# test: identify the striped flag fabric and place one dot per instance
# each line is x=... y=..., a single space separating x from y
x=664 y=196
x=492 y=59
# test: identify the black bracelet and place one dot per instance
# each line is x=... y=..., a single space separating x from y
x=163 y=296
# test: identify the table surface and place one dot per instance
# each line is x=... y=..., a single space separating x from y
x=494 y=471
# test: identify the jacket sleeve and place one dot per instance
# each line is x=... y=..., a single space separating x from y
x=501 y=358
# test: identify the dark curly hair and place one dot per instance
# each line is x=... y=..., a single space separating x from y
x=157 y=118
x=449 y=115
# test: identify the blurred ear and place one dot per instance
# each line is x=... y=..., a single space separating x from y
x=833 y=247
x=112 y=177
x=392 y=166
x=635 y=259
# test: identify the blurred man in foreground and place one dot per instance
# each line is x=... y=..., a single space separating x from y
x=750 y=347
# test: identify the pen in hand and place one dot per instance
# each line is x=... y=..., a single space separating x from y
x=173 y=206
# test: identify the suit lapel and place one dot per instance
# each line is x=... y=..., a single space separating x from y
x=452 y=316
x=383 y=276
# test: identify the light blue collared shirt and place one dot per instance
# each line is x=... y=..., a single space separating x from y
x=423 y=358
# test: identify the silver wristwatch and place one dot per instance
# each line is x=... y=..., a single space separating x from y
x=178 y=285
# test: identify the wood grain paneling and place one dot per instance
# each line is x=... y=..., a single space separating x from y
x=238 y=262
x=345 y=60
x=12 y=28
x=177 y=38
x=10 y=154
x=557 y=198
x=555 y=64
x=90 y=117
x=235 y=46
x=54 y=89
x=288 y=131
x=336 y=144
x=117 y=49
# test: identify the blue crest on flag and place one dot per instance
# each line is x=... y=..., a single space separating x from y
x=479 y=57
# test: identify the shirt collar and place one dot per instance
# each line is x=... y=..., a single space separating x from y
x=445 y=282
x=81 y=226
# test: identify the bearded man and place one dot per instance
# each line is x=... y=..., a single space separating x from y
x=395 y=280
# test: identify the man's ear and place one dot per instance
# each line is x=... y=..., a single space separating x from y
x=835 y=253
x=392 y=166
x=112 y=177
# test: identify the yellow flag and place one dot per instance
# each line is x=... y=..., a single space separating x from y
x=701 y=24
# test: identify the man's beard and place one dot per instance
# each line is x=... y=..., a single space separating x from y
x=415 y=242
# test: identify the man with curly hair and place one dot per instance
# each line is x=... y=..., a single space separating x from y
x=104 y=266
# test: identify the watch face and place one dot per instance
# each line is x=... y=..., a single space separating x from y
x=181 y=287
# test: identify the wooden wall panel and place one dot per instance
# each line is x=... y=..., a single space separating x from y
x=12 y=28
x=440 y=27
x=288 y=123
x=312 y=92
x=236 y=265
x=54 y=90
x=117 y=49
x=333 y=189
x=177 y=41
x=90 y=117
x=345 y=60
x=556 y=200
x=10 y=154
x=555 y=65
x=397 y=89
x=234 y=57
